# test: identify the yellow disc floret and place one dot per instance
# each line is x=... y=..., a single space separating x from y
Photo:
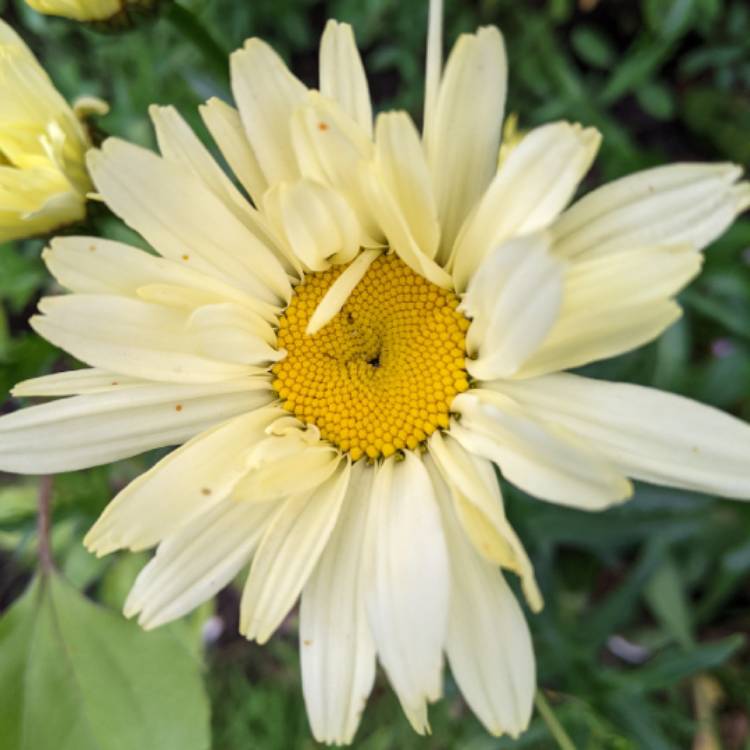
x=381 y=375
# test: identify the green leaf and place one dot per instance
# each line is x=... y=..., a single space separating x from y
x=75 y=676
x=657 y=100
x=667 y=669
x=665 y=594
x=592 y=46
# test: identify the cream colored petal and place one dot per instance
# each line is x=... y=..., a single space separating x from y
x=188 y=482
x=649 y=435
x=548 y=463
x=337 y=650
x=198 y=560
x=289 y=462
x=267 y=94
x=179 y=144
x=128 y=419
x=532 y=186
x=464 y=137
x=296 y=537
x=407 y=604
x=317 y=222
x=74 y=383
x=342 y=75
x=393 y=224
x=92 y=265
x=329 y=147
x=230 y=333
x=335 y=298
x=478 y=505
x=179 y=216
x=681 y=203
x=225 y=126
x=401 y=164
x=514 y=301
x=488 y=643
x=132 y=337
x=612 y=304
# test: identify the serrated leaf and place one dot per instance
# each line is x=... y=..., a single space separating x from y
x=75 y=676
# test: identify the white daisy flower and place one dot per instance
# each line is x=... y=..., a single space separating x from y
x=346 y=357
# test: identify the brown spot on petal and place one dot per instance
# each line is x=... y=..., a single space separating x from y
x=206 y=491
x=322 y=126
x=178 y=407
x=307 y=643
x=186 y=257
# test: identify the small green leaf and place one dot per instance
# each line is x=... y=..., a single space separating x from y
x=592 y=46
x=657 y=100
x=665 y=594
x=75 y=676
x=667 y=669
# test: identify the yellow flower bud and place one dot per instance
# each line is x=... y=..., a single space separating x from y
x=43 y=178
x=116 y=11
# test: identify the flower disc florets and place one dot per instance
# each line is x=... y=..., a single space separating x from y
x=382 y=374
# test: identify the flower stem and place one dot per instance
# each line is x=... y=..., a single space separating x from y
x=192 y=29
x=43 y=525
x=555 y=727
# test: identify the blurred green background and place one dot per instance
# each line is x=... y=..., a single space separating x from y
x=641 y=642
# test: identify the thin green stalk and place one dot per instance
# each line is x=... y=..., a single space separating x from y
x=555 y=727
x=216 y=57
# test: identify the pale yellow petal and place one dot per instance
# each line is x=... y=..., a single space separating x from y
x=407 y=604
x=231 y=333
x=330 y=146
x=188 y=482
x=132 y=337
x=267 y=94
x=532 y=186
x=657 y=437
x=478 y=505
x=120 y=421
x=93 y=265
x=464 y=136
x=676 y=204
x=548 y=463
x=612 y=304
x=402 y=166
x=179 y=216
x=342 y=75
x=225 y=126
x=390 y=218
x=335 y=298
x=289 y=462
x=74 y=383
x=513 y=301
x=317 y=222
x=337 y=652
x=288 y=553
x=488 y=642
x=195 y=562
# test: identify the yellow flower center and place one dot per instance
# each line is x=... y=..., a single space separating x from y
x=381 y=375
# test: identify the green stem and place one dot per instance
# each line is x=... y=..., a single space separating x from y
x=191 y=28
x=44 y=517
x=555 y=727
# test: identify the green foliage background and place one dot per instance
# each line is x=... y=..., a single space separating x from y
x=641 y=642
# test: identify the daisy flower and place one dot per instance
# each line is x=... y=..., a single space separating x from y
x=43 y=179
x=347 y=354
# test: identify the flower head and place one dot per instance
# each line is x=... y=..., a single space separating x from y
x=43 y=178
x=92 y=10
x=346 y=357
